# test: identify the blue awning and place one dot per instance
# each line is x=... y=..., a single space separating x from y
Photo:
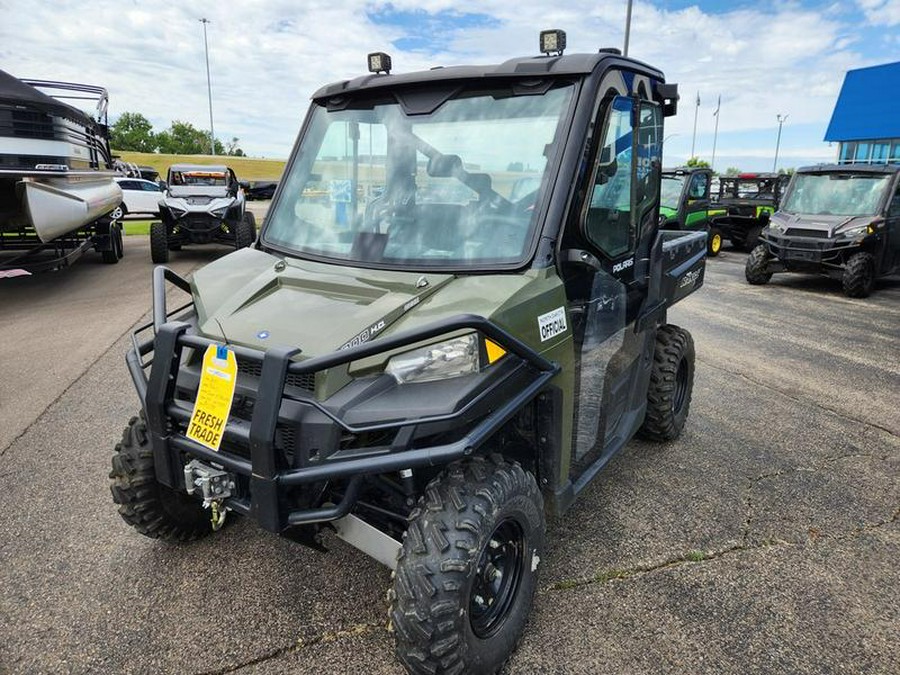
x=868 y=106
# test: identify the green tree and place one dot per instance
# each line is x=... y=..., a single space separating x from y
x=231 y=148
x=789 y=171
x=732 y=171
x=697 y=162
x=132 y=131
x=183 y=138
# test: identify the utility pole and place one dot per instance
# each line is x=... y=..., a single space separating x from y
x=212 y=131
x=781 y=118
x=627 y=28
x=694 y=138
x=712 y=164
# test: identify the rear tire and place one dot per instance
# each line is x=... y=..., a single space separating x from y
x=859 y=275
x=245 y=231
x=159 y=243
x=714 y=242
x=756 y=269
x=467 y=572
x=152 y=509
x=752 y=239
x=671 y=385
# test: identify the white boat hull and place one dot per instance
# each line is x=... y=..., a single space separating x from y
x=61 y=205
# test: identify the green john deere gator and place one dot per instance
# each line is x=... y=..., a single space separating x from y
x=685 y=204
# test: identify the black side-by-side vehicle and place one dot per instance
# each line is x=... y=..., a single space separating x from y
x=839 y=220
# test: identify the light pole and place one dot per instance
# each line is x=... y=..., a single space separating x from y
x=212 y=131
x=627 y=28
x=712 y=163
x=781 y=120
x=694 y=137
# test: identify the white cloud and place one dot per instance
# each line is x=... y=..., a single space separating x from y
x=267 y=57
x=881 y=12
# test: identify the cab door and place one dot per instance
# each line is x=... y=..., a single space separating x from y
x=696 y=201
x=606 y=244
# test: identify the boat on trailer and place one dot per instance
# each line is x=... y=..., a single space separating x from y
x=57 y=173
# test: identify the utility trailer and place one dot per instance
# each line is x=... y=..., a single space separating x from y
x=22 y=252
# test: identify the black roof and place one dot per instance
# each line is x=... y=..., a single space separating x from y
x=684 y=169
x=15 y=92
x=533 y=66
x=850 y=168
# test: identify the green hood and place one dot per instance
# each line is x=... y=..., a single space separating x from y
x=319 y=307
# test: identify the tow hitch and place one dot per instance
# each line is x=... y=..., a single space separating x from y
x=214 y=485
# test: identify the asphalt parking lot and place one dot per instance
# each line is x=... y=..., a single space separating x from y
x=765 y=540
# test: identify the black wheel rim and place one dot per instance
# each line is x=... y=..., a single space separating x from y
x=497 y=578
x=681 y=383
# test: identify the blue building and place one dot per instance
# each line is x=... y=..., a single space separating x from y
x=866 y=119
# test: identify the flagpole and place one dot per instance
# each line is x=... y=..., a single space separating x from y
x=712 y=164
x=694 y=139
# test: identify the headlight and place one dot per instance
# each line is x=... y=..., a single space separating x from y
x=178 y=208
x=775 y=226
x=859 y=230
x=218 y=212
x=452 y=358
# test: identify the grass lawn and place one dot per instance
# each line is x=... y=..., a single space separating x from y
x=137 y=227
x=245 y=168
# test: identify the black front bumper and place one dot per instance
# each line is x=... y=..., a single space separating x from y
x=269 y=475
x=807 y=254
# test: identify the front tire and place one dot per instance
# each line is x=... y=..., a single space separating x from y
x=467 y=572
x=159 y=243
x=151 y=508
x=671 y=385
x=245 y=231
x=859 y=275
x=756 y=270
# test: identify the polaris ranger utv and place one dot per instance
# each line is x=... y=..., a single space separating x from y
x=202 y=204
x=413 y=358
x=684 y=204
x=839 y=220
x=748 y=201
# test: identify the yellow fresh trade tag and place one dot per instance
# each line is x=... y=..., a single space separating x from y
x=213 y=404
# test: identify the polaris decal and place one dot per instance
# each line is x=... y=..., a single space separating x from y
x=552 y=323
x=624 y=265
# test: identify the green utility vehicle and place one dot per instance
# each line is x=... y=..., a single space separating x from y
x=416 y=358
x=684 y=204
x=749 y=200
x=839 y=220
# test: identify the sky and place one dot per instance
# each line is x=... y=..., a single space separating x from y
x=267 y=57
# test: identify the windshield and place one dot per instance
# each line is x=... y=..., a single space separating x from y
x=836 y=194
x=199 y=178
x=456 y=187
x=670 y=192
